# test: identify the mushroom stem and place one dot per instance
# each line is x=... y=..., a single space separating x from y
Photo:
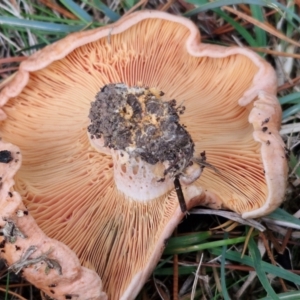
x=139 y=180
x=142 y=133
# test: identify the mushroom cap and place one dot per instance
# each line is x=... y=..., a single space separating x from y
x=231 y=112
x=23 y=243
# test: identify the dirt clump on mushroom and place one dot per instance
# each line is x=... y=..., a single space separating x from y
x=137 y=121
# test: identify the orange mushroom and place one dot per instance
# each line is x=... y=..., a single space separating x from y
x=108 y=194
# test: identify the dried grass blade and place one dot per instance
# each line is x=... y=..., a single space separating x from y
x=265 y=26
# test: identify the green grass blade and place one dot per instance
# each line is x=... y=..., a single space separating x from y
x=189 y=239
x=53 y=19
x=290 y=28
x=165 y=261
x=268 y=268
x=291 y=111
x=187 y=270
x=285 y=296
x=292 y=163
x=223 y=279
x=261 y=36
x=219 y=3
x=256 y=258
x=77 y=10
x=106 y=10
x=37 y=46
x=129 y=3
x=281 y=215
x=241 y=280
x=240 y=29
x=7 y=286
x=204 y=246
x=293 y=98
x=38 y=25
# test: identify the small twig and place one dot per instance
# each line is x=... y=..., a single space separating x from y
x=59 y=9
x=288 y=84
x=167 y=5
x=142 y=3
x=217 y=279
x=12 y=293
x=273 y=240
x=196 y=278
x=6 y=60
x=285 y=240
x=247 y=241
x=265 y=26
x=6 y=70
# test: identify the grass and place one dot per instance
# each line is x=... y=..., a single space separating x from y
x=199 y=262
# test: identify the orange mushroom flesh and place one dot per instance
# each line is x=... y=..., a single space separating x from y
x=69 y=186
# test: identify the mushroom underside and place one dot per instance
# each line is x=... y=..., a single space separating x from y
x=69 y=187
